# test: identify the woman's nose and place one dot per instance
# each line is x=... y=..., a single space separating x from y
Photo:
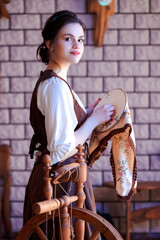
x=76 y=44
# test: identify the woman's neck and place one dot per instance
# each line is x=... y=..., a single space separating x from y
x=60 y=71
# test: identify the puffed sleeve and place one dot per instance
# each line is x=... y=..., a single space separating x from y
x=55 y=101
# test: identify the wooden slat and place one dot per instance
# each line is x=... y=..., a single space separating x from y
x=40 y=233
x=94 y=235
x=145 y=213
x=154 y=213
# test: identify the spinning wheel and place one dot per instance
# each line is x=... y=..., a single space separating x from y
x=58 y=207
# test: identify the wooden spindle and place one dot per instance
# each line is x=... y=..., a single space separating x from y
x=52 y=204
x=80 y=224
x=65 y=231
x=48 y=190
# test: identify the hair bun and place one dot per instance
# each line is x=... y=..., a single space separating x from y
x=42 y=52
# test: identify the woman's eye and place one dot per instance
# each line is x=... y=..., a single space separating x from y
x=68 y=39
x=81 y=40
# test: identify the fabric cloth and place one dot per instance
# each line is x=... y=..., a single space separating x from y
x=34 y=189
x=123 y=156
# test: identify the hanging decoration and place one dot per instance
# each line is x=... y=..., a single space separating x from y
x=104 y=2
x=103 y=9
x=3 y=10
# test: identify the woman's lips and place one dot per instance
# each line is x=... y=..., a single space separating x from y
x=75 y=53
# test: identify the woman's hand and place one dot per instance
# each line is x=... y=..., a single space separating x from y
x=103 y=114
x=100 y=115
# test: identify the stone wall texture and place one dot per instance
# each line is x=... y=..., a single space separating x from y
x=129 y=58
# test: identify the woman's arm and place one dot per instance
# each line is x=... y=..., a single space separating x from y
x=100 y=115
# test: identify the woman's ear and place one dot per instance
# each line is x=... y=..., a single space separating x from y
x=48 y=43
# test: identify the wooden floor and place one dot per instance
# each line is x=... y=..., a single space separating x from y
x=144 y=236
x=135 y=236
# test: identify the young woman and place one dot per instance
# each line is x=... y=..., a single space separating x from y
x=58 y=117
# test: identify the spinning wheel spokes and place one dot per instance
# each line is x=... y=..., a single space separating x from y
x=100 y=224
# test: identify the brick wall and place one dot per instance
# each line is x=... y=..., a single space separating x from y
x=129 y=59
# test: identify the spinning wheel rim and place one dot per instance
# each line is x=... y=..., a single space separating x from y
x=104 y=226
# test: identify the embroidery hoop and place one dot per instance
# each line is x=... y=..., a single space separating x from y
x=118 y=98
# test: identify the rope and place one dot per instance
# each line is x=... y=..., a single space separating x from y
x=71 y=225
x=53 y=214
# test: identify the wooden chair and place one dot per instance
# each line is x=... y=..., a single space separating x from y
x=59 y=206
x=141 y=214
x=5 y=152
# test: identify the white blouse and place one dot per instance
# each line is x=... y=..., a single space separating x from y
x=55 y=101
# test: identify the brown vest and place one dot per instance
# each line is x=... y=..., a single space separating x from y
x=37 y=119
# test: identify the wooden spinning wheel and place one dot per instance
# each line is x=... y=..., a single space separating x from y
x=58 y=207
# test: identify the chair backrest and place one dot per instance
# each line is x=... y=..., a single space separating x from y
x=5 y=153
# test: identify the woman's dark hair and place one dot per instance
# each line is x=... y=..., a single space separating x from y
x=52 y=26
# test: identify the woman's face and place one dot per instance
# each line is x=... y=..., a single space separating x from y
x=69 y=45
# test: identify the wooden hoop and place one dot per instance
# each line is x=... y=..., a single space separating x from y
x=118 y=98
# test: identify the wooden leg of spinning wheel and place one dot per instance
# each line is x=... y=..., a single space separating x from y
x=79 y=229
x=79 y=224
x=64 y=232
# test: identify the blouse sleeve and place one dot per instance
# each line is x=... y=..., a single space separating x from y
x=55 y=101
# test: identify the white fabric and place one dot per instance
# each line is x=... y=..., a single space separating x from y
x=124 y=156
x=55 y=101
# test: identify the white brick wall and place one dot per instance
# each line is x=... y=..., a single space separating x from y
x=12 y=69
x=129 y=58
x=102 y=68
x=144 y=21
x=40 y=6
x=25 y=21
x=16 y=36
x=137 y=6
x=132 y=37
x=134 y=68
x=155 y=39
